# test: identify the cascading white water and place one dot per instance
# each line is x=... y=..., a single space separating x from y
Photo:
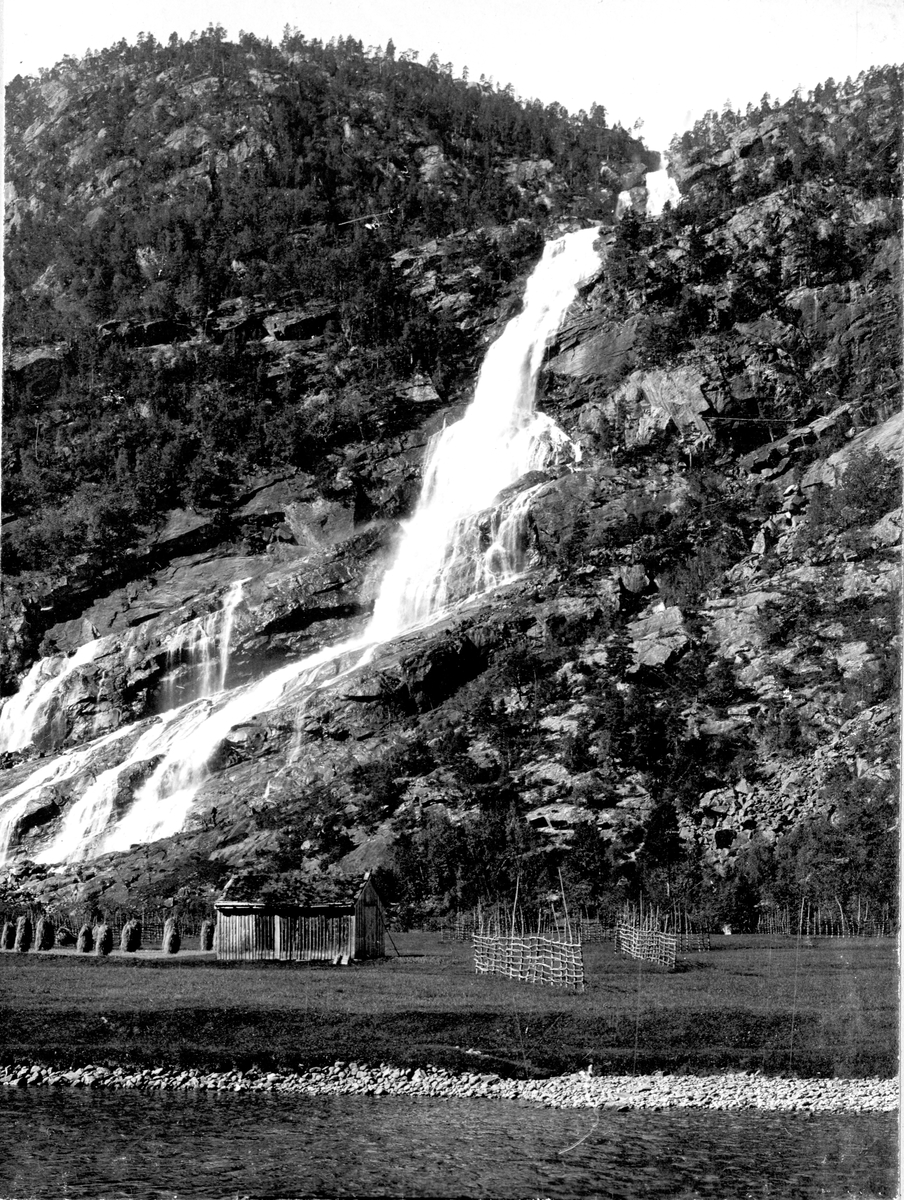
x=163 y=802
x=197 y=655
x=54 y=774
x=203 y=646
x=87 y=819
x=499 y=439
x=661 y=189
x=24 y=713
x=442 y=556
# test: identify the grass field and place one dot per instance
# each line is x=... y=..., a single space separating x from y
x=754 y=1003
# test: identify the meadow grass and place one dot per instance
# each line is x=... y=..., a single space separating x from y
x=751 y=1003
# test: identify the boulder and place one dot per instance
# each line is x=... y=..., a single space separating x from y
x=38 y=812
x=419 y=390
x=299 y=324
x=656 y=637
x=147 y=333
x=774 y=457
x=887 y=439
x=633 y=578
x=40 y=369
x=272 y=494
x=431 y=163
x=556 y=817
x=650 y=402
x=182 y=531
x=319 y=523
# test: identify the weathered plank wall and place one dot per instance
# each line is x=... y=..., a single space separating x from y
x=262 y=936
x=241 y=936
x=317 y=938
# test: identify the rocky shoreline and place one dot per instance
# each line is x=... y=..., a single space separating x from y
x=740 y=1090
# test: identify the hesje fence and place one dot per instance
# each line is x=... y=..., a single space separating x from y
x=549 y=922
x=690 y=930
x=596 y=930
x=648 y=945
x=814 y=918
x=539 y=946
x=659 y=935
x=529 y=958
x=458 y=928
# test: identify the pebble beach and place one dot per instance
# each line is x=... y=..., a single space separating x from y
x=730 y=1091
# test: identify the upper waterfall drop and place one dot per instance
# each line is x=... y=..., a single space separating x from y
x=661 y=189
x=499 y=439
x=441 y=556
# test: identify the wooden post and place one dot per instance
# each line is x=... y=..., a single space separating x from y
x=841 y=911
x=564 y=905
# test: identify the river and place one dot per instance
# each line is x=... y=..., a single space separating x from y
x=61 y=1143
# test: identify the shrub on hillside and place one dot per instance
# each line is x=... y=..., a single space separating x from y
x=869 y=488
x=830 y=859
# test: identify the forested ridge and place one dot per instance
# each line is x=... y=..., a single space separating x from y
x=240 y=269
x=155 y=185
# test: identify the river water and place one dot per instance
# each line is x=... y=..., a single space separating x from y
x=180 y=1146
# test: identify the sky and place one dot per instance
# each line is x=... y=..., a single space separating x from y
x=664 y=62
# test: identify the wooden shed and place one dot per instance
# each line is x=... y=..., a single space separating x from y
x=336 y=929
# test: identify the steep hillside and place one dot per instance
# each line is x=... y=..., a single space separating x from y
x=246 y=287
x=200 y=234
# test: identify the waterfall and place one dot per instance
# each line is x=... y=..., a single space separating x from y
x=54 y=774
x=25 y=713
x=499 y=439
x=199 y=650
x=444 y=554
x=87 y=819
x=162 y=803
x=661 y=189
x=197 y=654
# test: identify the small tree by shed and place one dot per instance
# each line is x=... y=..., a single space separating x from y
x=334 y=929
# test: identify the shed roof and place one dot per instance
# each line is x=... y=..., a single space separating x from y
x=328 y=892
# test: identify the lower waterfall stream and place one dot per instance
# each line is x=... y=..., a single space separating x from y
x=438 y=562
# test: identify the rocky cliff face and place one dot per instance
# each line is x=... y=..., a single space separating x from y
x=694 y=679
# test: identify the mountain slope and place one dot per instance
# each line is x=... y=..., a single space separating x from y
x=691 y=691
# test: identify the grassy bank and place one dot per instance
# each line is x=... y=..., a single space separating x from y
x=751 y=1003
